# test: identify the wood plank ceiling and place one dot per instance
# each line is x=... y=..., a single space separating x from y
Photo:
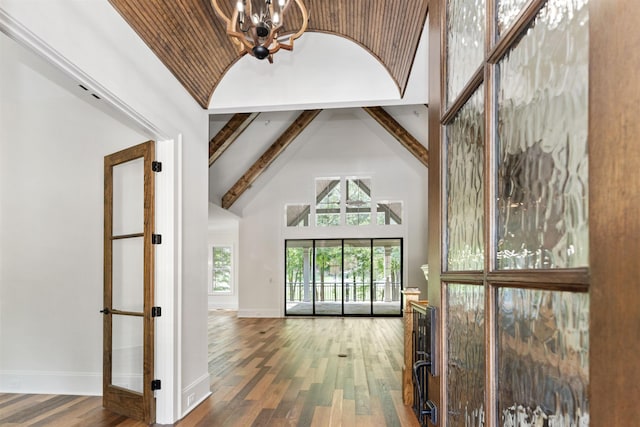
x=190 y=40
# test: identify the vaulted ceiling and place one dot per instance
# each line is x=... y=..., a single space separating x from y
x=190 y=39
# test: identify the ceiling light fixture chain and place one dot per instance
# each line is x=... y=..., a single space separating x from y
x=255 y=26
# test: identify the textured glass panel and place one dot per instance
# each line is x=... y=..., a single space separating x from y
x=543 y=358
x=128 y=197
x=465 y=165
x=465 y=43
x=466 y=355
x=508 y=11
x=542 y=132
x=127 y=354
x=299 y=277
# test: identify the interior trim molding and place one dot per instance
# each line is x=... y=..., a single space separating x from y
x=195 y=393
x=25 y=37
x=51 y=382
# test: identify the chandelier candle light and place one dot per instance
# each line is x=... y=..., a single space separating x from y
x=255 y=25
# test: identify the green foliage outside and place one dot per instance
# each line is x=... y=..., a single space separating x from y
x=329 y=275
x=221 y=269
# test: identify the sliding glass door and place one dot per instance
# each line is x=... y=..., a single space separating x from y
x=387 y=273
x=343 y=277
x=357 y=276
x=327 y=274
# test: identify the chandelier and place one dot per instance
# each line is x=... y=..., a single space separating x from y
x=255 y=26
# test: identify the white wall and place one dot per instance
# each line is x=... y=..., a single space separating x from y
x=52 y=145
x=92 y=37
x=338 y=143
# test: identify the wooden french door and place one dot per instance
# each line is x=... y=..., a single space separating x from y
x=508 y=210
x=128 y=349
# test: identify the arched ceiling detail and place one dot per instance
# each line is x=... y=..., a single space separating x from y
x=190 y=40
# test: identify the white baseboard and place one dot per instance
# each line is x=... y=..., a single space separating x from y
x=222 y=306
x=47 y=382
x=267 y=312
x=195 y=393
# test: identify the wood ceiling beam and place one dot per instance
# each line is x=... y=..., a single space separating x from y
x=400 y=133
x=268 y=157
x=228 y=134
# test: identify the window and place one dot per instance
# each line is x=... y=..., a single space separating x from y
x=358 y=204
x=221 y=282
x=298 y=215
x=328 y=201
x=341 y=201
x=389 y=213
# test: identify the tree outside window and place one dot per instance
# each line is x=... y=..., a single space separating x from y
x=221 y=277
x=328 y=201
x=358 y=201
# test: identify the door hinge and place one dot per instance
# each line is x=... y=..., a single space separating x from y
x=156 y=385
x=156 y=239
x=156 y=311
x=156 y=166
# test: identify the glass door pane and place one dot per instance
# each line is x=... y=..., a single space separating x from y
x=543 y=357
x=387 y=277
x=465 y=187
x=542 y=143
x=127 y=352
x=357 y=276
x=465 y=349
x=128 y=274
x=508 y=11
x=328 y=277
x=299 y=278
x=465 y=43
x=128 y=197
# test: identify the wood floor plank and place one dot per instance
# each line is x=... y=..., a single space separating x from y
x=348 y=412
x=268 y=372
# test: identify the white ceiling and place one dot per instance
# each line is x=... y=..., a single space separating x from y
x=323 y=71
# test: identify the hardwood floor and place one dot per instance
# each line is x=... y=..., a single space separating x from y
x=269 y=372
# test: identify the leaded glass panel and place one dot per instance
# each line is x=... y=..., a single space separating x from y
x=465 y=43
x=465 y=355
x=543 y=358
x=465 y=188
x=542 y=139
